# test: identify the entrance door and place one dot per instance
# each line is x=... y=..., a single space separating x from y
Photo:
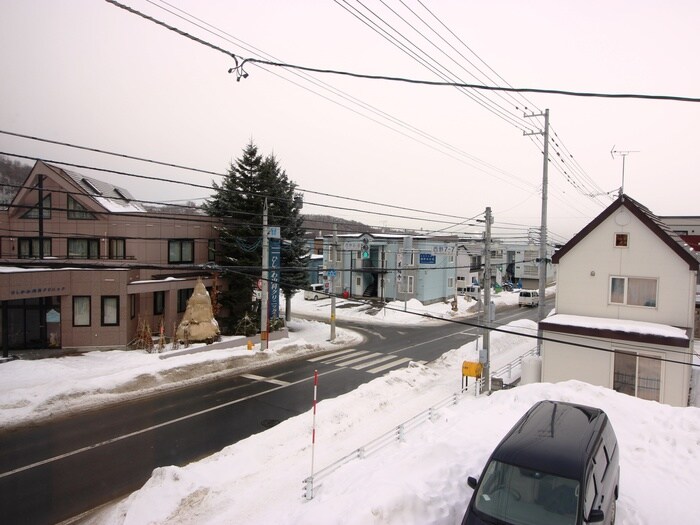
x=27 y=322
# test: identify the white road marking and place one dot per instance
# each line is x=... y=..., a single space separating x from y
x=392 y=364
x=265 y=379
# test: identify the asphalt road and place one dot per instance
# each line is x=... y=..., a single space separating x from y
x=59 y=469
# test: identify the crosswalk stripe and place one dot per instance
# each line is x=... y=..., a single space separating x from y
x=344 y=357
x=332 y=354
x=374 y=362
x=357 y=359
x=389 y=365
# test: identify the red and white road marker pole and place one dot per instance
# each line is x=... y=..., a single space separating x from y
x=313 y=424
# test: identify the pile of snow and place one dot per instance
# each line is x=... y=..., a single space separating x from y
x=397 y=312
x=36 y=389
x=422 y=480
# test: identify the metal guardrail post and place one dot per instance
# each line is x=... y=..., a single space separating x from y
x=309 y=488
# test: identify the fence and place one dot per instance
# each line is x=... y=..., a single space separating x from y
x=395 y=435
x=398 y=433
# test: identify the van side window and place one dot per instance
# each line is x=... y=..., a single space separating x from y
x=590 y=496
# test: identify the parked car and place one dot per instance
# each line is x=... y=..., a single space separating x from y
x=559 y=465
x=315 y=292
x=529 y=298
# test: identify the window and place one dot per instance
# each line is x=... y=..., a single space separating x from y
x=409 y=284
x=182 y=297
x=181 y=251
x=633 y=291
x=412 y=259
x=450 y=282
x=83 y=248
x=77 y=210
x=110 y=310
x=211 y=250
x=81 y=310
x=621 y=240
x=28 y=248
x=34 y=212
x=158 y=303
x=117 y=248
x=637 y=375
x=132 y=305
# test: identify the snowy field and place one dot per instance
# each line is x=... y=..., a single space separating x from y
x=423 y=480
x=420 y=481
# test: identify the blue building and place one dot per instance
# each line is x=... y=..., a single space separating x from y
x=392 y=267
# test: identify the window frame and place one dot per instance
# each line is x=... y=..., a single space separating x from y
x=410 y=284
x=211 y=250
x=638 y=356
x=113 y=243
x=618 y=240
x=103 y=310
x=176 y=245
x=33 y=213
x=158 y=302
x=92 y=247
x=625 y=299
x=89 y=311
x=32 y=241
x=183 y=295
x=76 y=211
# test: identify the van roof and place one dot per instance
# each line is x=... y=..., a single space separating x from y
x=553 y=437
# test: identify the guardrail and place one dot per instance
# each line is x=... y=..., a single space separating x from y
x=395 y=435
x=398 y=433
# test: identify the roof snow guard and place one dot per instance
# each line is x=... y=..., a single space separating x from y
x=650 y=220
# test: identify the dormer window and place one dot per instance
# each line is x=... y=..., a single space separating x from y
x=91 y=186
x=120 y=194
x=621 y=240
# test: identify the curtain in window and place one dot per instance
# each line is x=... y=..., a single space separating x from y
x=81 y=311
x=641 y=292
x=617 y=290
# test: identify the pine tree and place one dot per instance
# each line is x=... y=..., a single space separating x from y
x=240 y=200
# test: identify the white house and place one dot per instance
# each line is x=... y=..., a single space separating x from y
x=625 y=307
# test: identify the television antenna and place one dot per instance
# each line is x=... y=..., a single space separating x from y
x=623 y=154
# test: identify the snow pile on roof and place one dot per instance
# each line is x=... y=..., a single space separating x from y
x=620 y=325
x=119 y=205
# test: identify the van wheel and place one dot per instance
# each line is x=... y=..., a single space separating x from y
x=315 y=297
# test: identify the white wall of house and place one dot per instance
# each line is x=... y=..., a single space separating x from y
x=583 y=286
x=596 y=366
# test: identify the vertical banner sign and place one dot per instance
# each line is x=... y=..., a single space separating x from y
x=274 y=273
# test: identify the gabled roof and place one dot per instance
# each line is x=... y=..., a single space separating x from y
x=651 y=221
x=113 y=199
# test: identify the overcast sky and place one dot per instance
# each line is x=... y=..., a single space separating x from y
x=92 y=74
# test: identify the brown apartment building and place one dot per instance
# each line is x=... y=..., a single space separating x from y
x=82 y=263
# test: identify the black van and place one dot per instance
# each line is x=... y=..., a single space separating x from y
x=559 y=465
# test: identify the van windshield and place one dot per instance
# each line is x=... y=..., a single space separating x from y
x=521 y=496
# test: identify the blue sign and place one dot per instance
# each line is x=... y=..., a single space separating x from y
x=274 y=276
x=427 y=258
x=331 y=273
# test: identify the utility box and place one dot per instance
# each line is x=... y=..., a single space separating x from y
x=471 y=369
x=496 y=383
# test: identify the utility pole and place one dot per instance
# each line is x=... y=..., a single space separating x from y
x=40 y=187
x=264 y=334
x=334 y=251
x=487 y=302
x=543 y=228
